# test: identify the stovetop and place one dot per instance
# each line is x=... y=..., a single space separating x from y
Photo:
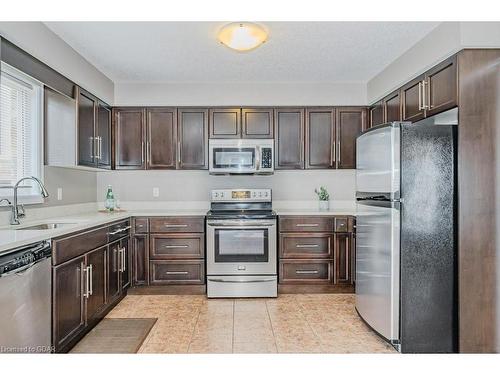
x=241 y=214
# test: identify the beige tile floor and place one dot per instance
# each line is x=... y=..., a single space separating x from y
x=292 y=323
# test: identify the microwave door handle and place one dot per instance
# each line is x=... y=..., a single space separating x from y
x=257 y=158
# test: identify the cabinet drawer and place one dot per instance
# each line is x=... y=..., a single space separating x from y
x=306 y=245
x=189 y=224
x=175 y=246
x=141 y=225
x=341 y=224
x=306 y=224
x=312 y=271
x=177 y=272
x=66 y=248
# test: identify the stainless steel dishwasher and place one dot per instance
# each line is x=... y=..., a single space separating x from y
x=25 y=299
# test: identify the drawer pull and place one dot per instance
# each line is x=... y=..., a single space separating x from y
x=177 y=272
x=306 y=245
x=307 y=225
x=306 y=272
x=175 y=225
x=176 y=246
x=120 y=230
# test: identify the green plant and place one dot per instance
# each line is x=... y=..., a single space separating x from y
x=322 y=193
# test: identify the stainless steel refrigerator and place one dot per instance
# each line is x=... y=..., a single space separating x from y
x=406 y=258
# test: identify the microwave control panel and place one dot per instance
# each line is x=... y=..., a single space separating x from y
x=267 y=158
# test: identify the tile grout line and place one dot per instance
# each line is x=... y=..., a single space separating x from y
x=272 y=328
x=301 y=308
x=194 y=327
x=232 y=337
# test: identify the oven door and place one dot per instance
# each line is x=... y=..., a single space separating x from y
x=241 y=247
x=228 y=159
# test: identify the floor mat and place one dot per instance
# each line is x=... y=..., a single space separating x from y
x=115 y=336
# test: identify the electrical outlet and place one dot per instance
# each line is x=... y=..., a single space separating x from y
x=156 y=192
x=59 y=194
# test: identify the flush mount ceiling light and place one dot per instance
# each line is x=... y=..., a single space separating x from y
x=242 y=36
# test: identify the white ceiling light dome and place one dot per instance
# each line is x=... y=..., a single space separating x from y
x=242 y=36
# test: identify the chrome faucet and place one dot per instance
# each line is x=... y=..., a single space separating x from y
x=18 y=210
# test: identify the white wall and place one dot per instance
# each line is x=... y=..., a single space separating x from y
x=442 y=42
x=244 y=93
x=38 y=40
x=196 y=185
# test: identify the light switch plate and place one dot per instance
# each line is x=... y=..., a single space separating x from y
x=156 y=192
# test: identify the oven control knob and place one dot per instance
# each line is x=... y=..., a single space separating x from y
x=241 y=268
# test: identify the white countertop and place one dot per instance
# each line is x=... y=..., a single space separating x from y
x=11 y=238
x=315 y=212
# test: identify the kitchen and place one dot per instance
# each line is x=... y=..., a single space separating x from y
x=225 y=204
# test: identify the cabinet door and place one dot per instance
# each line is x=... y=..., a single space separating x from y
x=125 y=262
x=129 y=130
x=96 y=302
x=192 y=135
x=350 y=123
x=257 y=122
x=411 y=95
x=289 y=138
x=441 y=87
x=68 y=316
x=376 y=114
x=320 y=138
x=113 y=267
x=161 y=138
x=225 y=123
x=104 y=136
x=392 y=107
x=342 y=259
x=140 y=260
x=86 y=129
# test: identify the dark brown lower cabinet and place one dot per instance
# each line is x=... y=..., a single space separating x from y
x=68 y=303
x=140 y=260
x=311 y=271
x=343 y=259
x=96 y=264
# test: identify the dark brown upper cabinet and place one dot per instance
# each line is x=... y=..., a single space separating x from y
x=320 y=138
x=94 y=131
x=289 y=138
x=441 y=87
x=87 y=149
x=192 y=133
x=161 y=138
x=257 y=122
x=225 y=122
x=413 y=101
x=130 y=137
x=392 y=107
x=376 y=114
x=350 y=122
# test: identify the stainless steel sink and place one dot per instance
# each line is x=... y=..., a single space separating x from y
x=45 y=226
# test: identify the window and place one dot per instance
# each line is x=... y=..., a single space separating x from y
x=20 y=133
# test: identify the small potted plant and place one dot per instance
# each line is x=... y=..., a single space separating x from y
x=323 y=196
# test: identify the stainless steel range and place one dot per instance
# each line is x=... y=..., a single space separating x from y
x=241 y=244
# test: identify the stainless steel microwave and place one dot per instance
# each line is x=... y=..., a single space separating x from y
x=241 y=156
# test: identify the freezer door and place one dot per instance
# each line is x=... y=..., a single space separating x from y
x=377 y=161
x=377 y=266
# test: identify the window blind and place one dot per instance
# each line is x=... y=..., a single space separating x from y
x=20 y=135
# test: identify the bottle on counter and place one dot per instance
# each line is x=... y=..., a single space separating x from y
x=110 y=199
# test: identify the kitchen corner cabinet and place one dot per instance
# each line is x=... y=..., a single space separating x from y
x=192 y=133
x=350 y=122
x=161 y=138
x=94 y=131
x=320 y=138
x=129 y=126
x=289 y=138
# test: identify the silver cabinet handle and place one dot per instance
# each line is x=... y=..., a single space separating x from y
x=176 y=272
x=306 y=272
x=91 y=283
x=100 y=147
x=306 y=245
x=148 y=153
x=115 y=259
x=426 y=93
x=338 y=153
x=142 y=152
x=92 y=146
x=175 y=225
x=176 y=246
x=420 y=107
x=119 y=230
x=123 y=266
x=307 y=225
x=424 y=106
x=179 y=152
x=86 y=271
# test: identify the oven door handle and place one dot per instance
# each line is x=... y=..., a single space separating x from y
x=239 y=224
x=241 y=281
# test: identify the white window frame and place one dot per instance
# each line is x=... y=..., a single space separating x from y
x=29 y=195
